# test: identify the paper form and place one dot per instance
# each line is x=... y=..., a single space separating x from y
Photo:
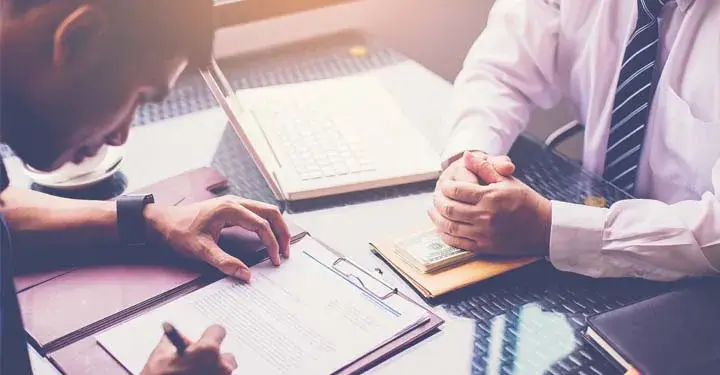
x=39 y=364
x=299 y=318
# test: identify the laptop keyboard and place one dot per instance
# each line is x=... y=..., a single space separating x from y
x=318 y=143
x=326 y=128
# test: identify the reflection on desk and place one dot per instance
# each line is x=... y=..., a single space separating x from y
x=452 y=350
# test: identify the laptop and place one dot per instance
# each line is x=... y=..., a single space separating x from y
x=326 y=137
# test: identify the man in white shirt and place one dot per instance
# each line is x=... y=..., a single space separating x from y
x=644 y=78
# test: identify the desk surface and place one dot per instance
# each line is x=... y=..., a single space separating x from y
x=525 y=322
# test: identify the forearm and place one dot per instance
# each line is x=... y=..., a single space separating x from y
x=638 y=238
x=39 y=221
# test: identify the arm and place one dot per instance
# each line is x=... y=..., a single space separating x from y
x=508 y=72
x=633 y=238
x=41 y=222
x=639 y=237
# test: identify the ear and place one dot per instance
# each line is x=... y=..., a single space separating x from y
x=78 y=38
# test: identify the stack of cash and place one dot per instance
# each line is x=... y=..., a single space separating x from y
x=427 y=252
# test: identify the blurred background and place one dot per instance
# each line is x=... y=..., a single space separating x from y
x=436 y=33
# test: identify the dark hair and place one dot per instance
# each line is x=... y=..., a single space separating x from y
x=163 y=26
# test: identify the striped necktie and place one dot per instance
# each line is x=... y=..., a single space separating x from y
x=633 y=97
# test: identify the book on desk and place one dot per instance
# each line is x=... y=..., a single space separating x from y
x=673 y=333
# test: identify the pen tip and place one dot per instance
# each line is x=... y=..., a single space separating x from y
x=167 y=327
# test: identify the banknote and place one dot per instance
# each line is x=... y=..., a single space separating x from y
x=427 y=252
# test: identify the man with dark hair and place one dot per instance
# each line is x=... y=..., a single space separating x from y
x=73 y=74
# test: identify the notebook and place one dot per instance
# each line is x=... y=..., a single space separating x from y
x=674 y=333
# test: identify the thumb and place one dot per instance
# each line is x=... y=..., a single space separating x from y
x=503 y=165
x=479 y=164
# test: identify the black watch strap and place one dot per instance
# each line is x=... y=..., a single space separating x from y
x=130 y=218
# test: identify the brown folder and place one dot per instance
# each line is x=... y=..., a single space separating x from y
x=37 y=277
x=63 y=310
x=432 y=285
x=60 y=307
x=88 y=357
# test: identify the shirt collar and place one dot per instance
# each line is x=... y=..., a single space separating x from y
x=684 y=4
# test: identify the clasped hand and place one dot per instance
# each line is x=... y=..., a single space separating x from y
x=478 y=206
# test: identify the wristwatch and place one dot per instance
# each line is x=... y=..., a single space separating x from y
x=130 y=218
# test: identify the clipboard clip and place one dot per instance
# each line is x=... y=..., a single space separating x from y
x=370 y=283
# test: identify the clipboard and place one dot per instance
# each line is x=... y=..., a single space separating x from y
x=86 y=356
x=421 y=322
x=380 y=289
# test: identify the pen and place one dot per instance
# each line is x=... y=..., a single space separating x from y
x=174 y=336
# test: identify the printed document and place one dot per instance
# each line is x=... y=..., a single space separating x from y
x=39 y=364
x=308 y=316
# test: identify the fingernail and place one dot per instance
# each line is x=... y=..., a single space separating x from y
x=275 y=258
x=243 y=274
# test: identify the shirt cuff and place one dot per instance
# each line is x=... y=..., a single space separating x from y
x=576 y=237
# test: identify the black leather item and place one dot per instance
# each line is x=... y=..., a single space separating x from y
x=674 y=333
x=131 y=222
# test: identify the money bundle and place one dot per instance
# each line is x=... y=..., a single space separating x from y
x=427 y=252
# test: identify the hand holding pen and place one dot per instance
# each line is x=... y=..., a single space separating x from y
x=177 y=355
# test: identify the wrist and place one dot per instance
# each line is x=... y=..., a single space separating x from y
x=155 y=230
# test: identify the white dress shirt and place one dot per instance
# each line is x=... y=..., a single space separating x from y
x=533 y=53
